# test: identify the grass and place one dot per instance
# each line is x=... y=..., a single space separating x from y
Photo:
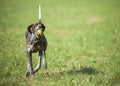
x=83 y=42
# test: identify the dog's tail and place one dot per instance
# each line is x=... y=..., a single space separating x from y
x=40 y=16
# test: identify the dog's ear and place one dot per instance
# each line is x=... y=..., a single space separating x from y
x=43 y=26
x=31 y=28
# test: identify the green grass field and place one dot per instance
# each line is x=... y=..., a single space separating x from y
x=83 y=42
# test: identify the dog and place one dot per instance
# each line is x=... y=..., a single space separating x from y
x=35 y=42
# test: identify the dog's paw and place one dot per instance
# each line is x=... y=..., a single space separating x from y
x=45 y=66
x=27 y=74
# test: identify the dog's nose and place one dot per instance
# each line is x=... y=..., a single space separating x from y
x=40 y=32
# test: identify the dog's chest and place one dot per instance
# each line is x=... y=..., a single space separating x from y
x=38 y=46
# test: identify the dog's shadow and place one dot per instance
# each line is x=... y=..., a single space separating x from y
x=82 y=71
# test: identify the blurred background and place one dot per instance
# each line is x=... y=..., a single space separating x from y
x=83 y=42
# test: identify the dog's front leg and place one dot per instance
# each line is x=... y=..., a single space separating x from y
x=29 y=68
x=44 y=60
x=32 y=39
x=39 y=62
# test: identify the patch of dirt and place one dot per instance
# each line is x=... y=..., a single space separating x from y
x=93 y=20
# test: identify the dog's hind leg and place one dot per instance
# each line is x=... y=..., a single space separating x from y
x=39 y=62
x=44 y=60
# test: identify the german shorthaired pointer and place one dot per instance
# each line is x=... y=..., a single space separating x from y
x=35 y=42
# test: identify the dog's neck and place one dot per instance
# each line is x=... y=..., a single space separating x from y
x=35 y=39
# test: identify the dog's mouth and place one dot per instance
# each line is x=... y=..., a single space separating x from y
x=39 y=32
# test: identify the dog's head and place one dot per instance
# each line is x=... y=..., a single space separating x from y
x=37 y=29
